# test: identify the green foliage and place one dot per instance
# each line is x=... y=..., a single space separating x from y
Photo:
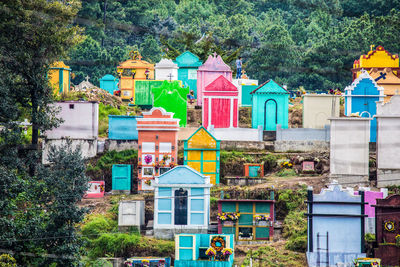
x=270 y=162
x=115 y=244
x=286 y=173
x=7 y=260
x=270 y=256
x=97 y=224
x=104 y=111
x=370 y=237
x=213 y=201
x=295 y=230
x=288 y=200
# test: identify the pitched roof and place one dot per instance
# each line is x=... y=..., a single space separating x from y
x=202 y=127
x=182 y=174
x=364 y=75
x=215 y=63
x=221 y=84
x=270 y=86
x=188 y=59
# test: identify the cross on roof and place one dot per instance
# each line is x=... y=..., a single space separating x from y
x=170 y=76
x=372 y=47
x=87 y=78
x=215 y=54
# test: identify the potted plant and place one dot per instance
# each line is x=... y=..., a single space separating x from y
x=228 y=218
x=226 y=252
x=210 y=252
x=261 y=220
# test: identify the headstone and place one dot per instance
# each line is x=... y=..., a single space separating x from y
x=131 y=213
x=220 y=107
x=84 y=85
x=181 y=202
x=121 y=178
x=388 y=144
x=307 y=166
x=335 y=231
x=172 y=97
x=213 y=68
x=96 y=189
x=202 y=153
x=60 y=77
x=188 y=63
x=133 y=69
x=166 y=70
x=360 y=98
x=247 y=219
x=109 y=83
x=317 y=108
x=387 y=220
x=191 y=249
x=122 y=127
x=349 y=150
x=270 y=106
x=253 y=170
x=245 y=87
x=158 y=145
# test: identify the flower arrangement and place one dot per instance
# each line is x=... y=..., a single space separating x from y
x=147 y=182
x=101 y=188
x=227 y=251
x=171 y=165
x=139 y=165
x=157 y=165
x=259 y=218
x=145 y=262
x=389 y=226
x=217 y=243
x=228 y=216
x=148 y=159
x=397 y=239
x=286 y=164
x=211 y=252
x=165 y=157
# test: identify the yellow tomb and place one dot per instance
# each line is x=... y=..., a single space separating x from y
x=378 y=58
x=60 y=77
x=386 y=79
x=133 y=69
x=201 y=152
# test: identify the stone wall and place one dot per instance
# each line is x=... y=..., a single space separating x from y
x=120 y=145
x=303 y=146
x=88 y=147
x=302 y=134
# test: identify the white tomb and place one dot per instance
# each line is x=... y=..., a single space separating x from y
x=131 y=213
x=166 y=70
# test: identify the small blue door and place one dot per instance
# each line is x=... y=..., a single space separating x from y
x=121 y=177
x=253 y=171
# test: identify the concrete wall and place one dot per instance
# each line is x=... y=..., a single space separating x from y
x=349 y=149
x=237 y=134
x=120 y=145
x=302 y=134
x=239 y=83
x=388 y=142
x=88 y=147
x=317 y=108
x=81 y=120
x=304 y=146
x=131 y=213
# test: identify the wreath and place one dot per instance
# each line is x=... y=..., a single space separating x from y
x=389 y=226
x=218 y=243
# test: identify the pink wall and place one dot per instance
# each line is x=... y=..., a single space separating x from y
x=370 y=198
x=209 y=71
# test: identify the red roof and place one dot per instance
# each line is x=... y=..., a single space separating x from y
x=221 y=84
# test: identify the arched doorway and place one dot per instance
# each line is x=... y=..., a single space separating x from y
x=270 y=114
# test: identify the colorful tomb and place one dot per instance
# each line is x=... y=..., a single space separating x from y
x=131 y=70
x=245 y=87
x=247 y=219
x=158 y=145
x=378 y=58
x=388 y=80
x=96 y=189
x=173 y=98
x=188 y=63
x=148 y=261
x=191 y=250
x=166 y=69
x=109 y=83
x=387 y=221
x=335 y=231
x=60 y=77
x=122 y=178
x=201 y=152
x=361 y=96
x=181 y=202
x=270 y=104
x=221 y=106
x=213 y=68
x=122 y=127
x=143 y=91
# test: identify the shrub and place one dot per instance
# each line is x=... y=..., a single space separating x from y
x=270 y=256
x=288 y=200
x=286 y=173
x=114 y=244
x=295 y=230
x=96 y=225
x=7 y=260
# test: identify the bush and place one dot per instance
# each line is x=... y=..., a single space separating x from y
x=286 y=173
x=97 y=224
x=270 y=162
x=288 y=200
x=295 y=230
x=270 y=256
x=7 y=260
x=113 y=244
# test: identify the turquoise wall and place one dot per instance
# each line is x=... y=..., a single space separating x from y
x=258 y=113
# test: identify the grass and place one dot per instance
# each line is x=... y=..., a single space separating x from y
x=286 y=173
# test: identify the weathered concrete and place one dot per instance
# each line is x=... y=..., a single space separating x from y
x=387 y=177
x=350 y=180
x=349 y=149
x=237 y=134
x=88 y=147
x=243 y=180
x=317 y=108
x=170 y=233
x=120 y=145
x=304 y=146
x=302 y=134
x=243 y=145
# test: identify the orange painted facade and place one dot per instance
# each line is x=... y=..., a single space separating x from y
x=388 y=80
x=378 y=58
x=133 y=69
x=158 y=145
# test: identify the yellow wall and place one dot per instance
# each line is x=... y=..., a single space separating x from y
x=378 y=58
x=58 y=71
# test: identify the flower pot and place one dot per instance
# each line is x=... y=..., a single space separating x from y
x=228 y=223
x=262 y=223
